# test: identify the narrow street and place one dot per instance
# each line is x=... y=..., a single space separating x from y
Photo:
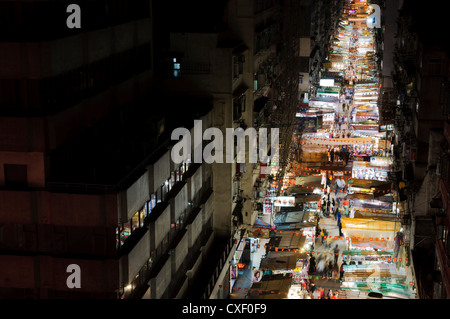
x=340 y=179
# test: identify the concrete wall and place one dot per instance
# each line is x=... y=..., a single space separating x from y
x=195 y=228
x=20 y=272
x=21 y=135
x=138 y=256
x=162 y=280
x=305 y=47
x=137 y=195
x=196 y=183
x=181 y=251
x=181 y=201
x=162 y=226
x=161 y=170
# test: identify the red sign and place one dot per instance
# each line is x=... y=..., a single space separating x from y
x=267 y=207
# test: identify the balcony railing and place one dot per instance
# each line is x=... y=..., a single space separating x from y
x=163 y=247
x=221 y=263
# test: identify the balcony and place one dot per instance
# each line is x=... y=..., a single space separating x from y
x=138 y=285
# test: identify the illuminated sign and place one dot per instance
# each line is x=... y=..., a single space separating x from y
x=327 y=82
x=284 y=201
x=267 y=209
x=380 y=161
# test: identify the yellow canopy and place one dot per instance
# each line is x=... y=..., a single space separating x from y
x=368 y=224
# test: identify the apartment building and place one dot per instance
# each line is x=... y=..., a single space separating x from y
x=87 y=115
x=421 y=71
x=87 y=177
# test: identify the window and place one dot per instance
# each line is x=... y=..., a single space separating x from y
x=16 y=175
x=152 y=202
x=238 y=107
x=172 y=179
x=143 y=213
x=235 y=67
x=176 y=68
x=135 y=221
x=125 y=232
x=238 y=65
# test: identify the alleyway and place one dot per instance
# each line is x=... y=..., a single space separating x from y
x=344 y=163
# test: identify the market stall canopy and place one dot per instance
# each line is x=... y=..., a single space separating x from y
x=370 y=233
x=364 y=183
x=363 y=224
x=257 y=232
x=336 y=141
x=293 y=218
x=307 y=198
x=262 y=224
x=360 y=196
x=278 y=260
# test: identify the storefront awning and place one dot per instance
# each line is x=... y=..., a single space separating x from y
x=262 y=224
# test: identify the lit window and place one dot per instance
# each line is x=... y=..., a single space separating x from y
x=176 y=67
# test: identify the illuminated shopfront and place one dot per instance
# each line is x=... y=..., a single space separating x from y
x=367 y=171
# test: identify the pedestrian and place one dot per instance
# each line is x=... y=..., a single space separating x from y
x=304 y=285
x=312 y=265
x=338 y=217
x=324 y=179
x=330 y=270
x=322 y=235
x=321 y=266
x=352 y=212
x=335 y=296
x=322 y=293
x=340 y=229
x=312 y=287
x=341 y=271
x=336 y=254
x=316 y=294
x=329 y=241
x=329 y=294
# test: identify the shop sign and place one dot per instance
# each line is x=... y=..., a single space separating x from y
x=267 y=207
x=384 y=128
x=284 y=201
x=380 y=161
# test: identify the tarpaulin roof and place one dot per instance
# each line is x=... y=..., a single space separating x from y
x=262 y=224
x=368 y=224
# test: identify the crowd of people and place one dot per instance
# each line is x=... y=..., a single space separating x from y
x=310 y=291
x=338 y=154
x=325 y=267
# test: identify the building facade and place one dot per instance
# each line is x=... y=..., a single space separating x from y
x=421 y=71
x=88 y=176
